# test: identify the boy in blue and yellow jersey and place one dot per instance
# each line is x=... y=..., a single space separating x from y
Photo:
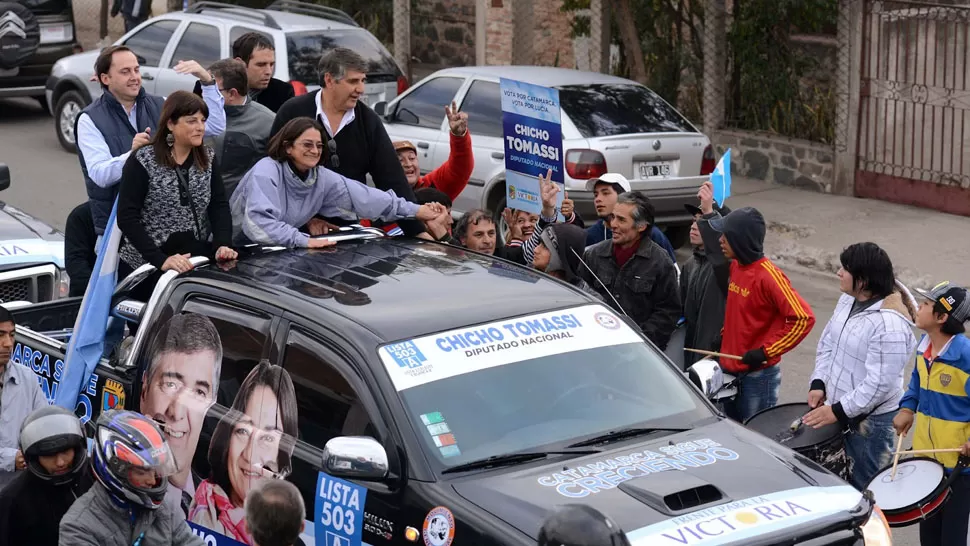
x=938 y=398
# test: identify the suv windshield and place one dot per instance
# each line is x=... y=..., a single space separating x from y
x=546 y=379
x=607 y=109
x=306 y=48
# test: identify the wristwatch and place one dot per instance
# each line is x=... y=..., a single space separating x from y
x=212 y=81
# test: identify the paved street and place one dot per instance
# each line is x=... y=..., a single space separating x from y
x=806 y=228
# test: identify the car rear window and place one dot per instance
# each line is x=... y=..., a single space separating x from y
x=617 y=109
x=306 y=48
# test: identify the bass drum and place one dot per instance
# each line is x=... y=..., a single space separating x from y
x=675 y=347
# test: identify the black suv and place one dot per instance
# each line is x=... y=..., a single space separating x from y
x=34 y=34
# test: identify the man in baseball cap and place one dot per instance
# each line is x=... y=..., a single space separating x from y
x=452 y=176
x=606 y=190
x=938 y=402
x=701 y=294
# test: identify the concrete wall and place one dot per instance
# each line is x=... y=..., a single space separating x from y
x=799 y=163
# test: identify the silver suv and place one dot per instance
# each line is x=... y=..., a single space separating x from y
x=302 y=32
x=609 y=124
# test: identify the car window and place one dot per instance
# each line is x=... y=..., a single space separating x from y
x=149 y=43
x=523 y=383
x=483 y=104
x=199 y=43
x=327 y=405
x=425 y=106
x=238 y=31
x=306 y=48
x=618 y=109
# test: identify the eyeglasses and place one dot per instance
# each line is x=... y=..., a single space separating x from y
x=310 y=146
x=334 y=158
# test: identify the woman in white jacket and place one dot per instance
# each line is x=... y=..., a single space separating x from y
x=858 y=377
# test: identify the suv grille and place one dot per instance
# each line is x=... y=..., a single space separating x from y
x=15 y=290
x=35 y=284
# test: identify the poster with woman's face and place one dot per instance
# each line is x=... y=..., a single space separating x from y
x=252 y=441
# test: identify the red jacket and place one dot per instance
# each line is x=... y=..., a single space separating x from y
x=450 y=178
x=763 y=310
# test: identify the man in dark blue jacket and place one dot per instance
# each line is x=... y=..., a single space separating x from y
x=606 y=189
x=123 y=119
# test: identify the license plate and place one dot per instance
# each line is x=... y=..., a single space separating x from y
x=54 y=33
x=654 y=170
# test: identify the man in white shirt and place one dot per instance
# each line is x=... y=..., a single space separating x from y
x=122 y=120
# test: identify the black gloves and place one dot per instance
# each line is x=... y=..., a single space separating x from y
x=716 y=344
x=755 y=358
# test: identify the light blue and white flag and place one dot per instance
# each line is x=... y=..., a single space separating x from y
x=87 y=341
x=721 y=179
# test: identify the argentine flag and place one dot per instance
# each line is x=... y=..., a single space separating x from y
x=721 y=179
x=87 y=340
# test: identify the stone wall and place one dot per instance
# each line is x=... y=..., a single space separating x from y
x=552 y=45
x=443 y=32
x=498 y=32
x=799 y=163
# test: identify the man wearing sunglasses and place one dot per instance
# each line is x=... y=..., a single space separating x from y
x=355 y=141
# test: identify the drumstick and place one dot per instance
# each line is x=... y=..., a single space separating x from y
x=712 y=353
x=916 y=451
x=899 y=445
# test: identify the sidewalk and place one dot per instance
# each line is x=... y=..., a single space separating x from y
x=810 y=230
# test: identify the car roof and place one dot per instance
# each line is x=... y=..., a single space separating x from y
x=401 y=288
x=288 y=22
x=547 y=76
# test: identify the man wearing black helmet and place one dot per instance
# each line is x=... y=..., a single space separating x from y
x=57 y=474
x=128 y=504
x=580 y=525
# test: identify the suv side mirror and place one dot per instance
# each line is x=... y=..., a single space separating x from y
x=355 y=458
x=707 y=376
x=4 y=176
x=381 y=108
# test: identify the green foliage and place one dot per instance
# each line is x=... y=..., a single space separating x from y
x=580 y=23
x=768 y=88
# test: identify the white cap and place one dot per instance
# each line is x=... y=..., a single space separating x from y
x=609 y=178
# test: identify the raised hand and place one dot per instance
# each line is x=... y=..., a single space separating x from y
x=458 y=121
x=706 y=195
x=195 y=69
x=549 y=191
x=141 y=139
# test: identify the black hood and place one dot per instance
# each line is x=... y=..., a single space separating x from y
x=744 y=229
x=566 y=243
x=659 y=491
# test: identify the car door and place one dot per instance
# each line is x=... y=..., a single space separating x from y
x=334 y=401
x=201 y=371
x=149 y=44
x=483 y=104
x=200 y=42
x=420 y=117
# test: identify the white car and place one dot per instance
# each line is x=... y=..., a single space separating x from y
x=609 y=124
x=301 y=32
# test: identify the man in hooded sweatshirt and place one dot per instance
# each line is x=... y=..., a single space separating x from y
x=764 y=316
x=559 y=254
x=701 y=294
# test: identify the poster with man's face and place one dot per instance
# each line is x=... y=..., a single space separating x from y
x=179 y=385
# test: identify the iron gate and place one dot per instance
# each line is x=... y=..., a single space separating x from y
x=913 y=111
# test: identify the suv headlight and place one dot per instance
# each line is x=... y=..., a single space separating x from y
x=876 y=530
x=63 y=287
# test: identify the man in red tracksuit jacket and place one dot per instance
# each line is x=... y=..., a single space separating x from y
x=764 y=317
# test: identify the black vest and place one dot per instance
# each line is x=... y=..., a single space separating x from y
x=111 y=119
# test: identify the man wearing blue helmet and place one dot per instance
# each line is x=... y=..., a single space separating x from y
x=56 y=456
x=128 y=504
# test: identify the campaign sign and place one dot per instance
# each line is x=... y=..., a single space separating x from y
x=339 y=512
x=533 y=142
x=211 y=538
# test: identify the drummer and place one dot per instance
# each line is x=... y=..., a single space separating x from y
x=939 y=402
x=860 y=360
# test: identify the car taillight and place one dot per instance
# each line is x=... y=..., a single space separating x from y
x=298 y=87
x=402 y=84
x=585 y=164
x=707 y=162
